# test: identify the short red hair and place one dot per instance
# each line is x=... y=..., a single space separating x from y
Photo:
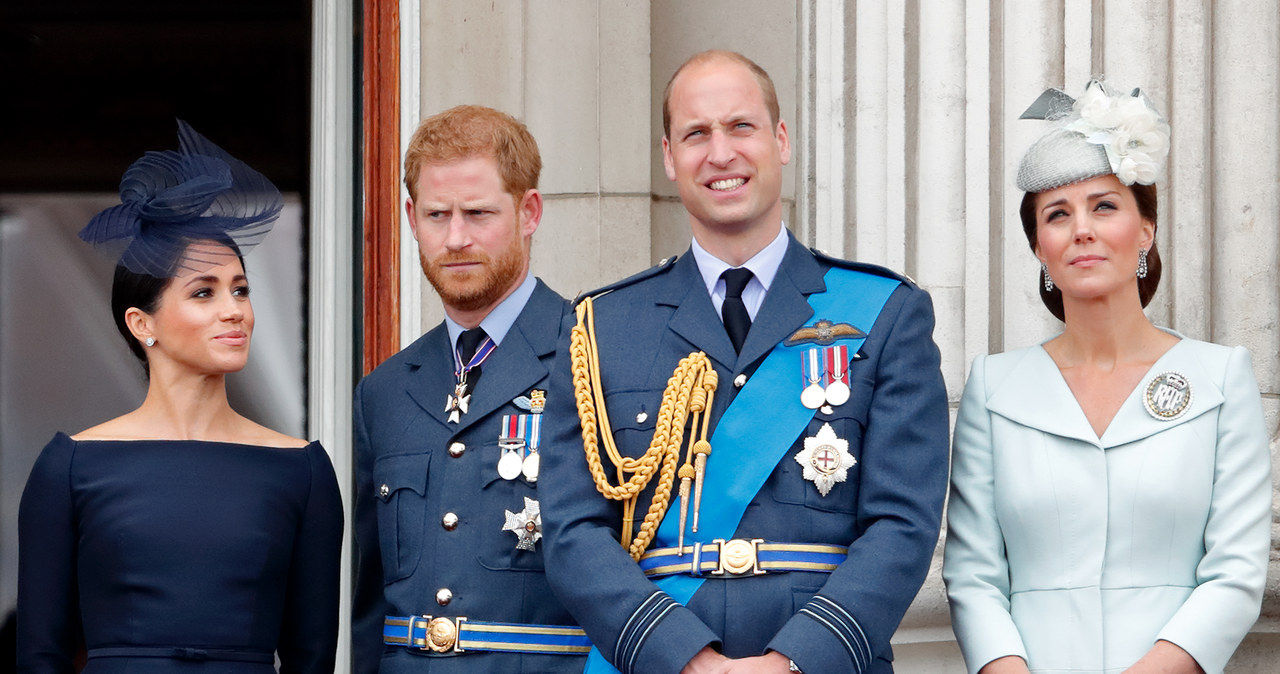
x=474 y=130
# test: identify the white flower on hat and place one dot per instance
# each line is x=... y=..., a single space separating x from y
x=1135 y=137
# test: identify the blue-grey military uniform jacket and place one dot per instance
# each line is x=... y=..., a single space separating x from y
x=887 y=512
x=406 y=553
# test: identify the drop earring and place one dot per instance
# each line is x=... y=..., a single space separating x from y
x=1142 y=263
x=1048 y=282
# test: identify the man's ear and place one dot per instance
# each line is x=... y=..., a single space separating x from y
x=530 y=212
x=413 y=221
x=668 y=162
x=784 y=141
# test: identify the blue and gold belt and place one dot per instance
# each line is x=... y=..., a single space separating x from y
x=742 y=557
x=451 y=635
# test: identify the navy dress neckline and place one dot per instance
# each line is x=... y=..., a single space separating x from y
x=167 y=556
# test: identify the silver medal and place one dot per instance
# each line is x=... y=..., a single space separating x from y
x=837 y=393
x=509 y=465
x=813 y=396
x=530 y=467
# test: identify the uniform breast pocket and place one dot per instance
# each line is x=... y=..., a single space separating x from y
x=826 y=460
x=400 y=483
x=497 y=545
x=632 y=416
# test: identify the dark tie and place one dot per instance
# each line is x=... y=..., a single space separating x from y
x=736 y=319
x=468 y=342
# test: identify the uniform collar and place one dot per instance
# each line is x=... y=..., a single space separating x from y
x=763 y=265
x=499 y=321
x=784 y=308
x=1038 y=397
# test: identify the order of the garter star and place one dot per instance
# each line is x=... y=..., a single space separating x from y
x=826 y=459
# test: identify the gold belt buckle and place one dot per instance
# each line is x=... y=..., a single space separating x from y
x=441 y=634
x=738 y=557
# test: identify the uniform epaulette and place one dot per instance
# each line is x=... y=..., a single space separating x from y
x=865 y=267
x=665 y=264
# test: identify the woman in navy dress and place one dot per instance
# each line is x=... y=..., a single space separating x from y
x=182 y=536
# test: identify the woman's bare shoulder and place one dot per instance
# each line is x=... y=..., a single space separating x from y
x=257 y=434
x=125 y=427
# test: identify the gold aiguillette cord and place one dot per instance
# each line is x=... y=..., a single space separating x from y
x=690 y=391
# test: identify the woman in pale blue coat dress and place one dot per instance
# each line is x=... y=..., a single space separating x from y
x=1110 y=492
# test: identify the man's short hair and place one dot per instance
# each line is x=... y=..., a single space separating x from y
x=762 y=77
x=473 y=130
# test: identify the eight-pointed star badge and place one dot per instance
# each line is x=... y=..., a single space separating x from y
x=526 y=524
x=826 y=459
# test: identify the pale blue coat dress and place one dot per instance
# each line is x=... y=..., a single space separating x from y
x=1077 y=552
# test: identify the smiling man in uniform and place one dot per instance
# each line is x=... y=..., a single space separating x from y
x=752 y=438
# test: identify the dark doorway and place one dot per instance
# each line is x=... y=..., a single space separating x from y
x=87 y=84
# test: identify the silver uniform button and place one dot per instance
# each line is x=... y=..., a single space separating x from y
x=739 y=381
x=384 y=491
x=444 y=596
x=641 y=417
x=449 y=521
x=456 y=449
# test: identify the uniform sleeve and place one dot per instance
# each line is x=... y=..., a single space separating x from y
x=1231 y=575
x=596 y=579
x=369 y=606
x=903 y=484
x=48 y=599
x=975 y=567
x=309 y=630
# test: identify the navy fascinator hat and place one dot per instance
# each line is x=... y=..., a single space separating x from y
x=185 y=211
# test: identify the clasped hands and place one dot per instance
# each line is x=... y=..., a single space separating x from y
x=708 y=661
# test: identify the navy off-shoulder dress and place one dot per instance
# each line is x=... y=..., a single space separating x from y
x=179 y=556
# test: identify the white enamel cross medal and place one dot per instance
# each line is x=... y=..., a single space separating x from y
x=456 y=403
x=526 y=524
x=826 y=459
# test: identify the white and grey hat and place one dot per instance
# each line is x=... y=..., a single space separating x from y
x=1100 y=133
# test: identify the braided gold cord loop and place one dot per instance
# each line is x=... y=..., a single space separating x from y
x=689 y=390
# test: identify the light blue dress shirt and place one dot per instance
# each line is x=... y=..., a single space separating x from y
x=763 y=265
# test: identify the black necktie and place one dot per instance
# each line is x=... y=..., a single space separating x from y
x=468 y=342
x=736 y=319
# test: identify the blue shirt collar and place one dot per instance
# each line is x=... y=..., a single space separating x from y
x=764 y=264
x=503 y=316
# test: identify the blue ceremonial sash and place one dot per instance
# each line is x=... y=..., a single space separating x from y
x=744 y=451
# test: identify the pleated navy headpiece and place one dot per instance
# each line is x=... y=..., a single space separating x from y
x=179 y=210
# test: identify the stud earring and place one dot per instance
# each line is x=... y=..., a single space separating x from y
x=1048 y=282
x=151 y=341
x=1142 y=263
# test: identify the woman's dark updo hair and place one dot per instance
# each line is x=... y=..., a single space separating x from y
x=131 y=289
x=1145 y=196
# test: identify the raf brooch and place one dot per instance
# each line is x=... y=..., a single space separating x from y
x=1168 y=396
x=826 y=459
x=535 y=402
x=526 y=524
